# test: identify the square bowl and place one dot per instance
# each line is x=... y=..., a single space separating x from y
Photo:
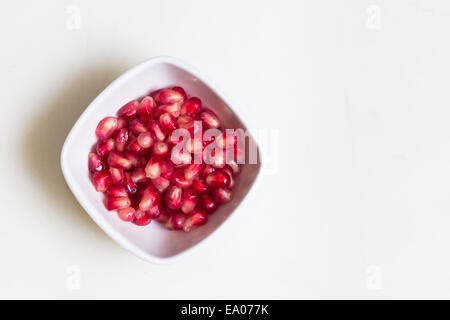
x=153 y=242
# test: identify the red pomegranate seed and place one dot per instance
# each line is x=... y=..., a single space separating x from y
x=138 y=176
x=226 y=140
x=126 y=214
x=153 y=168
x=196 y=219
x=101 y=181
x=160 y=149
x=229 y=171
x=208 y=169
x=179 y=180
x=145 y=140
x=177 y=221
x=129 y=110
x=222 y=195
x=134 y=147
x=180 y=157
x=167 y=122
x=117 y=175
x=155 y=129
x=191 y=106
x=218 y=179
x=149 y=198
x=173 y=109
x=137 y=126
x=164 y=216
x=129 y=184
x=193 y=171
x=199 y=186
x=146 y=108
x=166 y=170
x=210 y=119
x=161 y=183
x=190 y=199
x=154 y=212
x=167 y=96
x=117 y=203
x=106 y=128
x=141 y=218
x=173 y=197
x=105 y=147
x=135 y=162
x=186 y=122
x=181 y=91
x=208 y=203
x=118 y=160
x=215 y=158
x=95 y=163
x=121 y=123
x=194 y=145
x=116 y=192
x=121 y=138
x=233 y=166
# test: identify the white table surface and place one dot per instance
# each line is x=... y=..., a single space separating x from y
x=359 y=91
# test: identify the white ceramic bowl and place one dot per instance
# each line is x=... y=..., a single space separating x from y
x=153 y=242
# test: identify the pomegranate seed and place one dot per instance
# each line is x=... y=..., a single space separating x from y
x=167 y=122
x=226 y=140
x=153 y=168
x=118 y=160
x=222 y=195
x=215 y=158
x=210 y=119
x=129 y=184
x=116 y=192
x=181 y=91
x=145 y=140
x=149 y=198
x=174 y=138
x=173 y=109
x=135 y=147
x=138 y=176
x=117 y=203
x=129 y=110
x=193 y=171
x=121 y=123
x=137 y=126
x=161 y=183
x=218 y=179
x=196 y=219
x=180 y=158
x=117 y=175
x=95 y=163
x=190 y=199
x=105 y=147
x=146 y=108
x=106 y=128
x=121 y=138
x=178 y=179
x=177 y=221
x=135 y=162
x=101 y=181
x=191 y=106
x=126 y=214
x=160 y=149
x=233 y=166
x=173 y=197
x=164 y=216
x=155 y=129
x=229 y=171
x=167 y=96
x=186 y=122
x=208 y=203
x=208 y=169
x=166 y=170
x=143 y=220
x=154 y=212
x=199 y=186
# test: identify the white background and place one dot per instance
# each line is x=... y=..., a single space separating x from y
x=359 y=90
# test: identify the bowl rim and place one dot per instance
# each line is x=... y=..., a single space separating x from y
x=92 y=212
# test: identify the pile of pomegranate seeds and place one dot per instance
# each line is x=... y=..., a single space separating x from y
x=148 y=171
